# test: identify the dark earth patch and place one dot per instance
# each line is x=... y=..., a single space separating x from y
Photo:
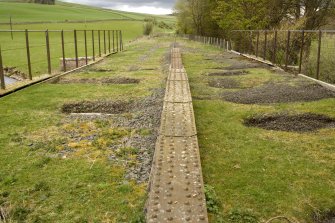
x=246 y=65
x=326 y=217
x=230 y=73
x=102 y=70
x=105 y=107
x=307 y=122
x=279 y=93
x=224 y=83
x=117 y=80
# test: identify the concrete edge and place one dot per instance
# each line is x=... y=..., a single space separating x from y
x=50 y=78
x=330 y=87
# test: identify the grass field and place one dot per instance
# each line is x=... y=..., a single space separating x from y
x=85 y=186
x=49 y=17
x=258 y=174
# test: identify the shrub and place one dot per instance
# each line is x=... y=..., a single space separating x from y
x=148 y=28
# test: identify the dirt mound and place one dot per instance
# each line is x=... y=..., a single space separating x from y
x=224 y=83
x=327 y=217
x=102 y=70
x=230 y=73
x=279 y=93
x=307 y=122
x=13 y=72
x=105 y=107
x=118 y=80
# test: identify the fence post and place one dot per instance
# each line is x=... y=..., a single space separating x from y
x=117 y=40
x=2 y=74
x=319 y=56
x=257 y=43
x=105 y=50
x=302 y=49
x=120 y=40
x=48 y=50
x=250 y=46
x=63 y=51
x=76 y=48
x=265 y=44
x=109 y=41
x=28 y=55
x=113 y=40
x=274 y=59
x=93 y=47
x=85 y=37
x=287 y=48
x=99 y=37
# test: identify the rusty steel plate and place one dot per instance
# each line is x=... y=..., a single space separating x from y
x=177 y=91
x=178 y=120
x=176 y=182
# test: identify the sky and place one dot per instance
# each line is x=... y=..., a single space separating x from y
x=159 y=7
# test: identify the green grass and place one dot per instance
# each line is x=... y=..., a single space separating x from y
x=36 y=185
x=258 y=174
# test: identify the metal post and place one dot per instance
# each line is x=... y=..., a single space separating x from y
x=11 y=27
x=257 y=44
x=287 y=48
x=302 y=49
x=274 y=59
x=85 y=37
x=2 y=75
x=99 y=43
x=63 y=51
x=105 y=49
x=117 y=40
x=93 y=47
x=113 y=40
x=265 y=44
x=76 y=48
x=319 y=56
x=48 y=50
x=109 y=41
x=28 y=56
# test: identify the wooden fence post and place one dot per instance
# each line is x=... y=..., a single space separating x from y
x=48 y=50
x=301 y=49
x=117 y=40
x=63 y=50
x=93 y=47
x=319 y=56
x=2 y=74
x=28 y=55
x=76 y=48
x=287 y=48
x=120 y=34
x=85 y=39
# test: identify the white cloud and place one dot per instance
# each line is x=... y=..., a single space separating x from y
x=143 y=9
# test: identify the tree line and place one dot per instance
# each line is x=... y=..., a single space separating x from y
x=218 y=17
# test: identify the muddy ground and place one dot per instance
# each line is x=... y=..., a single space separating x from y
x=307 y=122
x=279 y=93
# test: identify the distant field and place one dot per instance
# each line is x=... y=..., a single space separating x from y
x=28 y=12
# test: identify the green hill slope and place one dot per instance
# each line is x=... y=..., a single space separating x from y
x=29 y=12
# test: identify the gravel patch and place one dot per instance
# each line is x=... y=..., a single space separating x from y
x=307 y=122
x=230 y=73
x=228 y=83
x=279 y=93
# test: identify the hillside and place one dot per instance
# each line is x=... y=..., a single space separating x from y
x=63 y=12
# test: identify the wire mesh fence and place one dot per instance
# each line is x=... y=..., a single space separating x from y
x=30 y=54
x=310 y=52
